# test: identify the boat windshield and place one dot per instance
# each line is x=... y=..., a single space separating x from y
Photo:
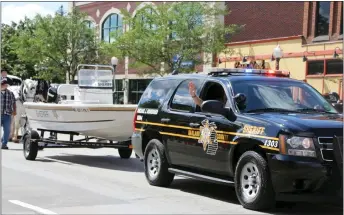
x=280 y=96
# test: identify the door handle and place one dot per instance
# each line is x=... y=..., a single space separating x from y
x=194 y=125
x=165 y=120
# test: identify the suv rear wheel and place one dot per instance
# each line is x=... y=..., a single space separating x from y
x=253 y=185
x=156 y=165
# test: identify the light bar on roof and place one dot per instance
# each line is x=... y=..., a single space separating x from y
x=270 y=72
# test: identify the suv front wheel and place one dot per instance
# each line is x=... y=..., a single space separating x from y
x=156 y=164
x=253 y=185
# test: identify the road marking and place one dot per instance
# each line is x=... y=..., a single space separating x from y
x=59 y=161
x=32 y=207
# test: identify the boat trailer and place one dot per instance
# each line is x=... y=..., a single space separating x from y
x=33 y=141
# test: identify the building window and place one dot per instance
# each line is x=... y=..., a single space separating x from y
x=136 y=89
x=141 y=19
x=334 y=67
x=323 y=18
x=192 y=22
x=315 y=67
x=112 y=23
x=89 y=24
x=325 y=67
x=118 y=96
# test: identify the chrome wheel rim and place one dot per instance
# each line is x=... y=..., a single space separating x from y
x=153 y=163
x=250 y=181
x=27 y=146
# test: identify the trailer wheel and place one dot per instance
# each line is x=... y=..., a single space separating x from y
x=30 y=148
x=125 y=153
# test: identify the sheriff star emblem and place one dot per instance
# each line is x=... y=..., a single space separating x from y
x=208 y=137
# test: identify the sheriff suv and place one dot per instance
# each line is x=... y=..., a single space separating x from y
x=268 y=135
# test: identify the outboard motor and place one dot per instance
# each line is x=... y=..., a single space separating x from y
x=52 y=95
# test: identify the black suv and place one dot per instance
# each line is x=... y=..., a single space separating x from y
x=270 y=136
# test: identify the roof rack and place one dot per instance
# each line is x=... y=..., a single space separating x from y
x=265 y=72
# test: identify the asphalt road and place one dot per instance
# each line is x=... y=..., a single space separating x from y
x=97 y=181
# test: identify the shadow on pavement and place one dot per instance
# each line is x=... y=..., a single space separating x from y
x=11 y=149
x=227 y=194
x=106 y=162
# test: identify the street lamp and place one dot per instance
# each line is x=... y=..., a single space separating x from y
x=114 y=62
x=277 y=53
x=335 y=55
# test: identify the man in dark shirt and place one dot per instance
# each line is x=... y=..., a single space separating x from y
x=8 y=108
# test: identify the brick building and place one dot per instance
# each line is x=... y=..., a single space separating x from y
x=106 y=16
x=309 y=33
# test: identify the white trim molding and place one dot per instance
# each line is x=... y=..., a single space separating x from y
x=90 y=18
x=140 y=6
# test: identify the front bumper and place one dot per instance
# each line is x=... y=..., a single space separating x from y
x=305 y=179
x=136 y=141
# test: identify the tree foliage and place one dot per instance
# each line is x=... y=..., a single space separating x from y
x=9 y=59
x=57 y=44
x=172 y=33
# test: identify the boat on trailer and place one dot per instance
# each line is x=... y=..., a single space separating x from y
x=84 y=109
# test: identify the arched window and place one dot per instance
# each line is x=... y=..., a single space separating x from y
x=145 y=20
x=195 y=18
x=89 y=24
x=112 y=23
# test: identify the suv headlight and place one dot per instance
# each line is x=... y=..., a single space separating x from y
x=297 y=146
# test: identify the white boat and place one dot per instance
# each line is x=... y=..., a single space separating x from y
x=88 y=109
x=111 y=122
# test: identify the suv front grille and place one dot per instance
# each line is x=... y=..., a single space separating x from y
x=326 y=147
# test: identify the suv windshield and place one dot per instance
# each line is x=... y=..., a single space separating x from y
x=270 y=95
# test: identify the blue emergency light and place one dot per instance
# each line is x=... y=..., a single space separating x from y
x=265 y=72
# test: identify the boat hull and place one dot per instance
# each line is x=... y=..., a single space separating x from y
x=112 y=122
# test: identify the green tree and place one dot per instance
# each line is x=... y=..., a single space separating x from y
x=160 y=33
x=57 y=45
x=9 y=58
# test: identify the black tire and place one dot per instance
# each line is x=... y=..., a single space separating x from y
x=163 y=177
x=125 y=153
x=30 y=148
x=265 y=196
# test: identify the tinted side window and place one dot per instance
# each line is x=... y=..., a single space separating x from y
x=155 y=94
x=182 y=99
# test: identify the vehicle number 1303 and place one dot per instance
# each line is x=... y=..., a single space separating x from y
x=271 y=143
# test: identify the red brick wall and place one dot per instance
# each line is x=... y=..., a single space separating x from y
x=266 y=19
x=103 y=7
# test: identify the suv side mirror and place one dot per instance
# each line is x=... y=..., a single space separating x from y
x=216 y=107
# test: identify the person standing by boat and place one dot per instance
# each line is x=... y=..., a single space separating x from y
x=9 y=82
x=4 y=75
x=8 y=108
